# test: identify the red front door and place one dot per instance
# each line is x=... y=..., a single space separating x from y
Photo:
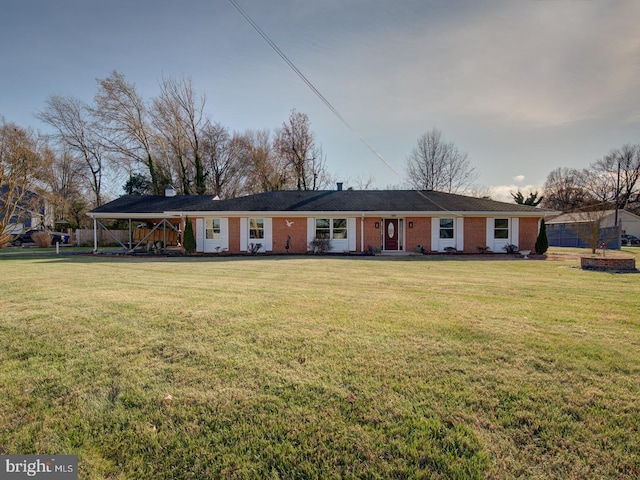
x=391 y=231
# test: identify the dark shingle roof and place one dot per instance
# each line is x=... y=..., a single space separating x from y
x=149 y=204
x=317 y=201
x=357 y=200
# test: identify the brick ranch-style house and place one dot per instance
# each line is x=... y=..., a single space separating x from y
x=355 y=221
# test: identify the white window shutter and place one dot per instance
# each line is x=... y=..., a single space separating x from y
x=490 y=231
x=459 y=234
x=244 y=234
x=435 y=234
x=351 y=233
x=268 y=235
x=515 y=231
x=224 y=233
x=311 y=230
x=199 y=234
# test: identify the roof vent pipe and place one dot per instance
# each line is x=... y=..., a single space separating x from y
x=169 y=191
x=339 y=185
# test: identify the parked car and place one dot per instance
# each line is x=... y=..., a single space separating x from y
x=27 y=237
x=629 y=240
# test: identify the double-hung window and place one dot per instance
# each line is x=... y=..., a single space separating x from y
x=323 y=228
x=339 y=228
x=446 y=228
x=256 y=228
x=501 y=228
x=331 y=228
x=212 y=228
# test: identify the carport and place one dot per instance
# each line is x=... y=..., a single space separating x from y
x=161 y=227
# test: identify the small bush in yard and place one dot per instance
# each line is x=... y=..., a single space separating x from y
x=189 y=238
x=511 y=248
x=542 y=242
x=320 y=245
x=42 y=239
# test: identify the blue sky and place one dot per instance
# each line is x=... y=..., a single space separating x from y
x=523 y=87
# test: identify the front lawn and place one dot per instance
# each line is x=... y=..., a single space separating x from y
x=311 y=367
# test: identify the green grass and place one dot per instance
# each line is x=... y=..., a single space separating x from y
x=308 y=367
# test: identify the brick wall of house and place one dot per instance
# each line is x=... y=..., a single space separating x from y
x=528 y=233
x=419 y=234
x=372 y=235
x=297 y=230
x=475 y=234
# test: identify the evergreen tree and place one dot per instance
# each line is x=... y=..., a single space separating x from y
x=137 y=185
x=542 y=242
x=532 y=200
x=189 y=241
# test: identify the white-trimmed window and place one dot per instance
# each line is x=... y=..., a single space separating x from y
x=323 y=228
x=447 y=228
x=501 y=229
x=256 y=228
x=212 y=228
x=339 y=228
x=331 y=228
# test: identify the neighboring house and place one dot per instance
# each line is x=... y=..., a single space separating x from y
x=562 y=230
x=29 y=213
x=354 y=220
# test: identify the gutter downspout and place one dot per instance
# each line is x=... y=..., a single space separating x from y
x=362 y=233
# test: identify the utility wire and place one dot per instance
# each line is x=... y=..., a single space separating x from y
x=308 y=82
x=324 y=100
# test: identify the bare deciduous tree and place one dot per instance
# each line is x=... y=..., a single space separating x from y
x=265 y=170
x=362 y=183
x=178 y=115
x=127 y=126
x=611 y=181
x=64 y=185
x=438 y=165
x=71 y=118
x=295 y=143
x=588 y=226
x=224 y=160
x=563 y=190
x=22 y=170
x=616 y=177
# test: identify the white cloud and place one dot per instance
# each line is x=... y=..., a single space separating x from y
x=519 y=178
x=538 y=64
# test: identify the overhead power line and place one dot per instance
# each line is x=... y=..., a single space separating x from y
x=309 y=84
